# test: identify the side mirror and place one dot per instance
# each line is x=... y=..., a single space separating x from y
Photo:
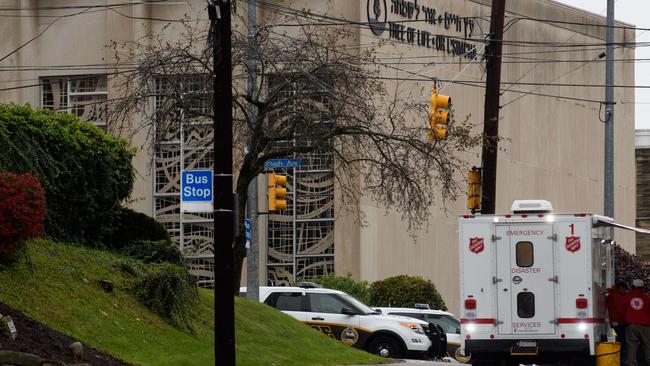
x=378 y=311
x=348 y=311
x=457 y=330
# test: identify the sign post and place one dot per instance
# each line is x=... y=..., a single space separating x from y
x=196 y=191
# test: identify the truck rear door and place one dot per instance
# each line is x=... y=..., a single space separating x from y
x=525 y=279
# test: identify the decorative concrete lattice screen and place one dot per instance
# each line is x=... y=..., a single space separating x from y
x=301 y=238
x=183 y=141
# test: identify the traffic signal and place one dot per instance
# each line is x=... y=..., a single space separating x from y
x=474 y=189
x=277 y=192
x=438 y=115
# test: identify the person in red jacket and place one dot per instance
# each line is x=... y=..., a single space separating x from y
x=616 y=311
x=637 y=317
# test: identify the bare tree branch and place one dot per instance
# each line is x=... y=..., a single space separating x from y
x=312 y=97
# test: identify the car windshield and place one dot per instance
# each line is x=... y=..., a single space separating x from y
x=358 y=305
x=448 y=323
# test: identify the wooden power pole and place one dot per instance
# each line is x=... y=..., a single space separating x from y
x=491 y=108
x=224 y=220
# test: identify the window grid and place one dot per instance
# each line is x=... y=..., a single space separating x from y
x=83 y=96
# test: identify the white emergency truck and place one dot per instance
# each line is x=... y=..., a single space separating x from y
x=532 y=285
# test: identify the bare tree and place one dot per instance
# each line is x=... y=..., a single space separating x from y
x=313 y=94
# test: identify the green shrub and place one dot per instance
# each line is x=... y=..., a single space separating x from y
x=132 y=226
x=85 y=172
x=405 y=291
x=359 y=289
x=154 y=252
x=169 y=290
x=130 y=268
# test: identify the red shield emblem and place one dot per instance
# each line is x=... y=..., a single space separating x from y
x=476 y=245
x=572 y=243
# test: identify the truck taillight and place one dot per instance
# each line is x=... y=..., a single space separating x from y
x=470 y=304
x=581 y=303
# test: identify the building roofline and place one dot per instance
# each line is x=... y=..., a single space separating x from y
x=642 y=138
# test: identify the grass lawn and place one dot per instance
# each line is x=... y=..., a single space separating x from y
x=265 y=336
x=60 y=289
x=58 y=285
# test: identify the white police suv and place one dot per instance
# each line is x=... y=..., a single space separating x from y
x=447 y=321
x=345 y=318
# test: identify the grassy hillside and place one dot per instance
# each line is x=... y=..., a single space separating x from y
x=60 y=289
x=58 y=285
x=268 y=337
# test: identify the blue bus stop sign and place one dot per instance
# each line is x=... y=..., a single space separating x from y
x=196 y=191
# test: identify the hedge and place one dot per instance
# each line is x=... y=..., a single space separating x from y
x=85 y=172
x=131 y=226
x=405 y=291
x=358 y=289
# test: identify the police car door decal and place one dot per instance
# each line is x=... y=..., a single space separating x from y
x=326 y=316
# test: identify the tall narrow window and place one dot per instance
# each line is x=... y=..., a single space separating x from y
x=525 y=254
x=301 y=238
x=183 y=140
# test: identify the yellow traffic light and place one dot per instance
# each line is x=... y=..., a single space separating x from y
x=474 y=190
x=277 y=192
x=438 y=117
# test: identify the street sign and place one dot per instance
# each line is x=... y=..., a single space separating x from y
x=196 y=191
x=247 y=226
x=282 y=163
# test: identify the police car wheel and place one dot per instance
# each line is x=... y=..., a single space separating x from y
x=386 y=347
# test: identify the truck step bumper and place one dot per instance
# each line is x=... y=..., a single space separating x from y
x=508 y=347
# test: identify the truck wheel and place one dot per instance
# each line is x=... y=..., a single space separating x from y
x=385 y=346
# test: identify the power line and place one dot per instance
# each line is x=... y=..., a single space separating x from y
x=98 y=8
x=73 y=7
x=553 y=21
x=518 y=43
x=460 y=82
x=86 y=9
x=536 y=88
x=522 y=62
x=471 y=83
x=41 y=33
x=342 y=21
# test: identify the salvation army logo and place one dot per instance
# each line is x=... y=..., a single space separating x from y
x=636 y=303
x=572 y=243
x=476 y=245
x=377 y=16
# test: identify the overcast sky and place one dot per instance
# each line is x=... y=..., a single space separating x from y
x=634 y=12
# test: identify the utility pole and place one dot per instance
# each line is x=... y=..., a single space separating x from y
x=491 y=108
x=253 y=255
x=609 y=113
x=224 y=301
